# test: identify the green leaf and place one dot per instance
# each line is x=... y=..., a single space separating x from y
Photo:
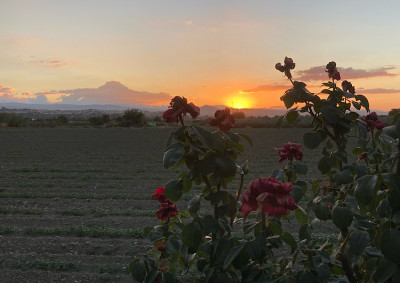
x=396 y=218
x=356 y=105
x=204 y=136
x=365 y=189
x=210 y=224
x=225 y=166
x=390 y=245
x=330 y=113
x=288 y=239
x=359 y=240
x=344 y=177
x=168 y=277
x=173 y=154
x=301 y=216
x=218 y=142
x=342 y=216
x=391 y=131
x=173 y=246
x=138 y=271
x=275 y=228
x=312 y=140
x=292 y=116
x=385 y=270
x=322 y=211
x=233 y=253
x=325 y=164
x=173 y=189
x=151 y=276
x=191 y=235
x=194 y=205
x=304 y=234
x=363 y=100
x=247 y=138
x=297 y=193
x=300 y=168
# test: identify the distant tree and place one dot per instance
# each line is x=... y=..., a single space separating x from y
x=105 y=118
x=394 y=111
x=61 y=119
x=133 y=117
x=99 y=120
x=238 y=115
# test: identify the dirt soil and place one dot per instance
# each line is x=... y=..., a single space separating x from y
x=73 y=201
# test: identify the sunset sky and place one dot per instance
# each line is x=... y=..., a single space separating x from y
x=212 y=52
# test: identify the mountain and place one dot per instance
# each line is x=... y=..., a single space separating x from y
x=206 y=110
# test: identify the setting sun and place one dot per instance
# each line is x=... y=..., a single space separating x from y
x=239 y=103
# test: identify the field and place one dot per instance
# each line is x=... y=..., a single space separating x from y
x=73 y=202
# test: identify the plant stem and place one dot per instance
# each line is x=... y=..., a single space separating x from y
x=238 y=193
x=263 y=222
x=398 y=159
x=181 y=120
x=374 y=147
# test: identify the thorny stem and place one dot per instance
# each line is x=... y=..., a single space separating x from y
x=345 y=263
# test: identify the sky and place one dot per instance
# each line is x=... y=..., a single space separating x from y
x=213 y=52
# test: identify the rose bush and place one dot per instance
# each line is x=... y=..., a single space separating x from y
x=239 y=237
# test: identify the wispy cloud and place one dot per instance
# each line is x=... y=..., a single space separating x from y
x=50 y=63
x=378 y=90
x=318 y=73
x=268 y=87
x=111 y=93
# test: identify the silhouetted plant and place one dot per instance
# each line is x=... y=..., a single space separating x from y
x=360 y=198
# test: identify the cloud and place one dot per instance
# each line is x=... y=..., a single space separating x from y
x=50 y=63
x=318 y=73
x=6 y=93
x=268 y=88
x=111 y=93
x=378 y=90
x=9 y=94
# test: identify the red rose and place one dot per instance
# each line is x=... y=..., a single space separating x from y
x=160 y=195
x=272 y=196
x=289 y=63
x=347 y=86
x=172 y=115
x=178 y=107
x=290 y=151
x=332 y=71
x=372 y=122
x=223 y=119
x=168 y=208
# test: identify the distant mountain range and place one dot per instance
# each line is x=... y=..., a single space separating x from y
x=205 y=110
